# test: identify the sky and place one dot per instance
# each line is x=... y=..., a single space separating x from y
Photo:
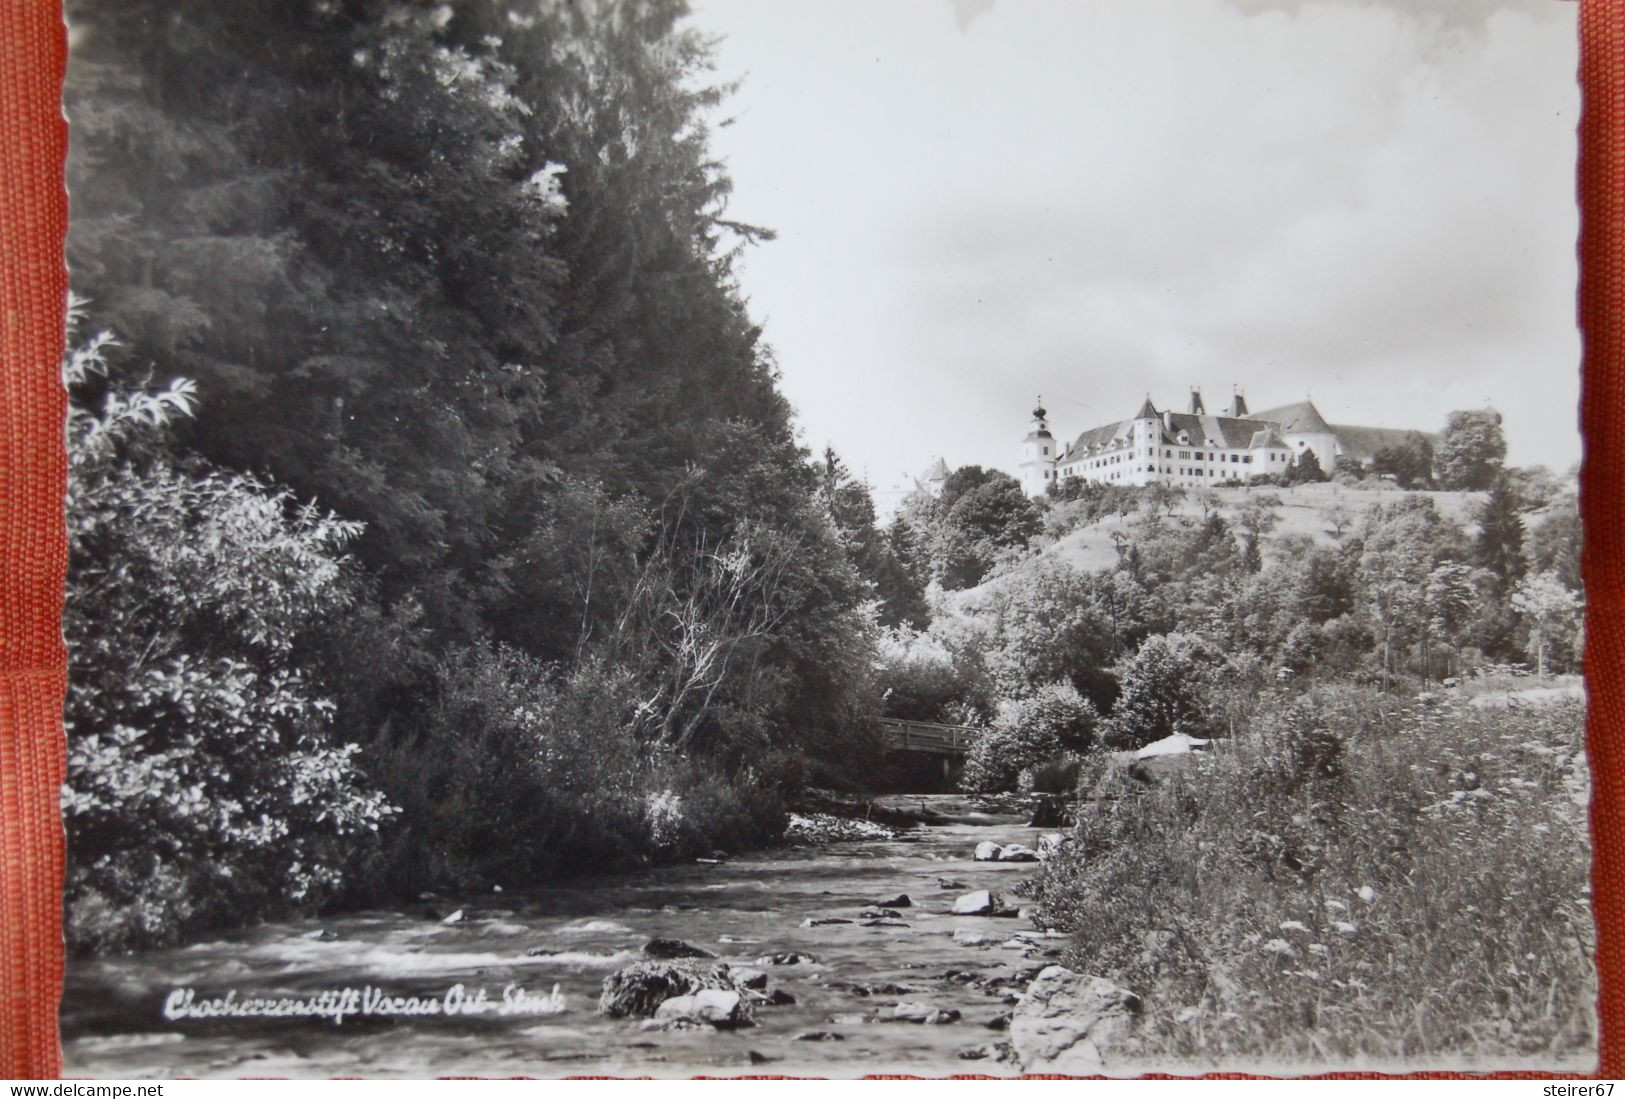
x=978 y=202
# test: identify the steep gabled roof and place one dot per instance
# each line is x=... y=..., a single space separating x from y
x=1101 y=436
x=1302 y=418
x=1148 y=411
x=1225 y=431
x=1364 y=442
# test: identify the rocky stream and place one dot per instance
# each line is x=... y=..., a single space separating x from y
x=840 y=959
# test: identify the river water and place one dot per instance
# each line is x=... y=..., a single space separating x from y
x=742 y=910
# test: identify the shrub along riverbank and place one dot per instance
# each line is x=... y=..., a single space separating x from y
x=1353 y=877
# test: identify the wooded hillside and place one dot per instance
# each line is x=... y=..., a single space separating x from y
x=506 y=542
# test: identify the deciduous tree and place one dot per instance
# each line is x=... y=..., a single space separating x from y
x=1471 y=450
x=1549 y=609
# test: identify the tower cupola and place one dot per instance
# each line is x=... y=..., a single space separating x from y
x=1038 y=453
x=1040 y=425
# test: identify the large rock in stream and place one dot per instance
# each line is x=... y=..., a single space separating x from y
x=907 y=1012
x=988 y=851
x=982 y=902
x=1074 y=1024
x=668 y=949
x=638 y=990
x=788 y=957
x=722 y=1008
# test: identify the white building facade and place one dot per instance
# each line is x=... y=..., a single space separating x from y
x=1191 y=448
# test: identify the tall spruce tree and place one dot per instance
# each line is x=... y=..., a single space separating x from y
x=1499 y=545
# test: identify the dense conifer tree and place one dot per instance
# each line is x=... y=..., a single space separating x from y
x=1499 y=545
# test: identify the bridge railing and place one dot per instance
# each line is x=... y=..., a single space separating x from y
x=927 y=736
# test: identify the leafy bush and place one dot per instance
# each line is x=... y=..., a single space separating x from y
x=918 y=676
x=522 y=773
x=1047 y=621
x=1056 y=776
x=203 y=782
x=1167 y=687
x=1055 y=721
x=1319 y=888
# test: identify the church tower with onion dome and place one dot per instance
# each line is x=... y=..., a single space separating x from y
x=1038 y=454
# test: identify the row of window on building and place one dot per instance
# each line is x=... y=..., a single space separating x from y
x=1185 y=454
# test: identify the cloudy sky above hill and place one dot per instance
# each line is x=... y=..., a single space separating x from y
x=980 y=201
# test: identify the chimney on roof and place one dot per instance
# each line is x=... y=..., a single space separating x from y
x=1196 y=403
x=1238 y=405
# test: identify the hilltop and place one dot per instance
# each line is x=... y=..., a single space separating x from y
x=1325 y=512
x=1317 y=511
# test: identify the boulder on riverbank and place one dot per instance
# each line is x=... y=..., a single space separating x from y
x=638 y=990
x=1074 y=1024
x=822 y=828
x=1051 y=842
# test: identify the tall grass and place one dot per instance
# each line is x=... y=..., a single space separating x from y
x=1351 y=880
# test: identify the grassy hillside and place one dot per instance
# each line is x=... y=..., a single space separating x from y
x=1317 y=511
x=1314 y=511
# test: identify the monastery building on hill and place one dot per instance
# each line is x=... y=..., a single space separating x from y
x=1194 y=447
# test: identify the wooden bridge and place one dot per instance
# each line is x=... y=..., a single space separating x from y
x=925 y=736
